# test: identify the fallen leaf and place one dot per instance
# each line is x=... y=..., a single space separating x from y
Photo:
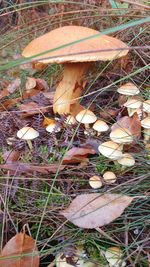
x=47 y=121
x=11 y=156
x=20 y=167
x=95 y=210
x=77 y=154
x=32 y=108
x=75 y=109
x=41 y=85
x=109 y=114
x=13 y=252
x=14 y=85
x=133 y=124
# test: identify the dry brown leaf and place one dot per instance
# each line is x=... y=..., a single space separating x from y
x=41 y=85
x=77 y=154
x=20 y=167
x=32 y=108
x=47 y=121
x=12 y=253
x=133 y=124
x=11 y=156
x=95 y=210
x=109 y=114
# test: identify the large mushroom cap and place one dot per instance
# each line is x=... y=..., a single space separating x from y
x=86 y=116
x=67 y=34
x=133 y=103
x=27 y=133
x=128 y=89
x=126 y=160
x=110 y=150
x=121 y=136
x=146 y=106
x=146 y=123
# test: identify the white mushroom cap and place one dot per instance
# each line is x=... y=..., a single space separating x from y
x=52 y=127
x=109 y=177
x=70 y=120
x=121 y=136
x=113 y=256
x=27 y=133
x=128 y=89
x=95 y=182
x=146 y=123
x=110 y=150
x=86 y=116
x=100 y=126
x=146 y=106
x=126 y=160
x=133 y=103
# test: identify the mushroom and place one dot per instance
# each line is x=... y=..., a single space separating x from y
x=146 y=125
x=53 y=127
x=100 y=126
x=75 y=47
x=109 y=177
x=121 y=136
x=70 y=120
x=86 y=117
x=132 y=104
x=110 y=150
x=95 y=182
x=114 y=257
x=126 y=160
x=146 y=107
x=28 y=134
x=128 y=89
x=78 y=258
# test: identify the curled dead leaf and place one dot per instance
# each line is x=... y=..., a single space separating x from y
x=95 y=210
x=20 y=251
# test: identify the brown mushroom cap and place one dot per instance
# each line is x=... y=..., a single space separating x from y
x=67 y=34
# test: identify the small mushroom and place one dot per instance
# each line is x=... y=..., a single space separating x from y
x=53 y=127
x=95 y=182
x=28 y=134
x=114 y=257
x=132 y=104
x=100 y=126
x=146 y=107
x=86 y=117
x=110 y=150
x=74 y=47
x=70 y=120
x=146 y=125
x=128 y=89
x=109 y=177
x=126 y=160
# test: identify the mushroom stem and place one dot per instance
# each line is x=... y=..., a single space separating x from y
x=146 y=135
x=70 y=87
x=29 y=142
